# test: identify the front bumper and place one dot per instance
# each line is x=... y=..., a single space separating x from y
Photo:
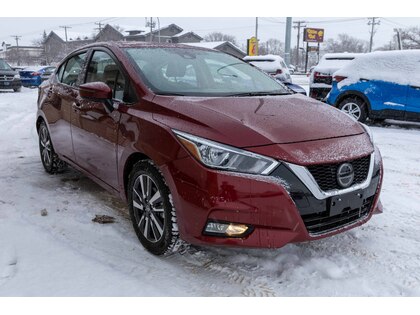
x=10 y=84
x=319 y=93
x=279 y=207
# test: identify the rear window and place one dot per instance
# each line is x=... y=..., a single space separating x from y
x=259 y=60
x=347 y=58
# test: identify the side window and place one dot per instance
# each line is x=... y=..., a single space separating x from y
x=73 y=68
x=102 y=68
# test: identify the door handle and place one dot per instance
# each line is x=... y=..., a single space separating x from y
x=76 y=106
x=415 y=87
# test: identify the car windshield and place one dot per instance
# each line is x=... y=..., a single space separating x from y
x=4 y=65
x=197 y=72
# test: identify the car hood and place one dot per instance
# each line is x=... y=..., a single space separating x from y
x=255 y=121
x=7 y=72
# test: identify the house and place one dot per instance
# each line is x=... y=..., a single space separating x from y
x=226 y=47
x=109 y=33
x=56 y=47
x=167 y=34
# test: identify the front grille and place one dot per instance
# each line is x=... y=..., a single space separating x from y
x=322 y=222
x=6 y=77
x=326 y=174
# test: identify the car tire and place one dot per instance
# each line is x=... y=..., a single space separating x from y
x=50 y=160
x=151 y=210
x=355 y=107
x=17 y=89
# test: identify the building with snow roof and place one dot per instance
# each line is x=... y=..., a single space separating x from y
x=224 y=46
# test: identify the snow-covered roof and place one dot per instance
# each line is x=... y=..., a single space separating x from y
x=185 y=33
x=214 y=45
x=400 y=66
x=264 y=58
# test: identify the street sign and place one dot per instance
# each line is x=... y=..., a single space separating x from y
x=313 y=35
x=312 y=48
x=252 y=46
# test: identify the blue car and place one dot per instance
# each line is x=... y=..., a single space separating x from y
x=379 y=86
x=34 y=76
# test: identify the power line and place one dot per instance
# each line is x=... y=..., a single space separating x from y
x=336 y=21
x=394 y=23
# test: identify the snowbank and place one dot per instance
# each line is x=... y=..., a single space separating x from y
x=400 y=67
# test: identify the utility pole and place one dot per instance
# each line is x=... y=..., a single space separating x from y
x=299 y=25
x=398 y=31
x=17 y=48
x=150 y=24
x=288 y=40
x=65 y=30
x=256 y=28
x=373 y=21
x=99 y=28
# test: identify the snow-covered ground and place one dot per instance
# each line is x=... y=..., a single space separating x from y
x=66 y=254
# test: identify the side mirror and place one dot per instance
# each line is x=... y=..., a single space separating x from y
x=98 y=91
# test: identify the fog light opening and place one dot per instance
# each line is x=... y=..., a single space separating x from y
x=227 y=229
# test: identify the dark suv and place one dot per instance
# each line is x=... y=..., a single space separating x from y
x=206 y=148
x=9 y=79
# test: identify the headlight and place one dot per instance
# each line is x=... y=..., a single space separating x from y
x=368 y=131
x=220 y=156
x=16 y=76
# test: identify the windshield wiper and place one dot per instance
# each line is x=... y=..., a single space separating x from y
x=259 y=93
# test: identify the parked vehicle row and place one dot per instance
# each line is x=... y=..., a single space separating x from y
x=9 y=78
x=206 y=148
x=321 y=76
x=378 y=86
x=34 y=76
x=13 y=78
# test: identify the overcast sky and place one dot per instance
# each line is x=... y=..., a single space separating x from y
x=241 y=27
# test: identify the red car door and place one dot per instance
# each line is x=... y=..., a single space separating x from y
x=94 y=128
x=61 y=96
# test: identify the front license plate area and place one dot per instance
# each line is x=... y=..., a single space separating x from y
x=349 y=201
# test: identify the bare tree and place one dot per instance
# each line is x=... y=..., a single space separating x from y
x=391 y=45
x=411 y=38
x=272 y=46
x=219 y=37
x=346 y=43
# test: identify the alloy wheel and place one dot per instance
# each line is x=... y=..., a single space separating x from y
x=148 y=208
x=352 y=109
x=45 y=146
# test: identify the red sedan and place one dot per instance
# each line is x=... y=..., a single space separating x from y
x=206 y=148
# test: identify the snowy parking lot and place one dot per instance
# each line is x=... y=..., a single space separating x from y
x=49 y=245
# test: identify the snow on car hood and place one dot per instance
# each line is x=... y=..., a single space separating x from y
x=400 y=67
x=256 y=121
